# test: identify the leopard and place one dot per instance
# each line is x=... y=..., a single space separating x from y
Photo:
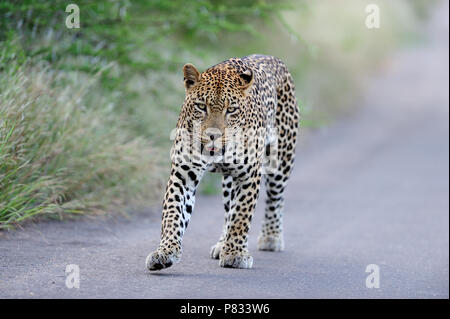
x=252 y=97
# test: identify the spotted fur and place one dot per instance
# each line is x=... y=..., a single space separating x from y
x=251 y=93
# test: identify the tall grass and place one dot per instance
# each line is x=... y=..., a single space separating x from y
x=62 y=152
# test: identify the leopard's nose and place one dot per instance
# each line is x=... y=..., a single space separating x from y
x=213 y=133
x=214 y=136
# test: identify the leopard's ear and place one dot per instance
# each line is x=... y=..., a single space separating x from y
x=246 y=79
x=191 y=75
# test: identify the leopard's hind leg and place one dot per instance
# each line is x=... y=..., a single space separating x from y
x=287 y=121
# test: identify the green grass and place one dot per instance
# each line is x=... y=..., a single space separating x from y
x=58 y=156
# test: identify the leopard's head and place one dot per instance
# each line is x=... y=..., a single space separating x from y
x=214 y=107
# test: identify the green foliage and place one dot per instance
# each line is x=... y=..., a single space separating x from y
x=73 y=111
x=133 y=34
x=85 y=114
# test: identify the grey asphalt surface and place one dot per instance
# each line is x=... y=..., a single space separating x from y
x=371 y=189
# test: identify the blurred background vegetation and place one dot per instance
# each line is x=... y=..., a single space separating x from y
x=85 y=114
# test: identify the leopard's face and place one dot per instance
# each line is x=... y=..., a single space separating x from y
x=214 y=107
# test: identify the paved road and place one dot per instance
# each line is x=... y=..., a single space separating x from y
x=372 y=189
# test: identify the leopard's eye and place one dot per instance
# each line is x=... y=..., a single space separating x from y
x=231 y=109
x=200 y=106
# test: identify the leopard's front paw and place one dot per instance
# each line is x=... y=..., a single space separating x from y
x=235 y=260
x=271 y=242
x=215 y=250
x=161 y=259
